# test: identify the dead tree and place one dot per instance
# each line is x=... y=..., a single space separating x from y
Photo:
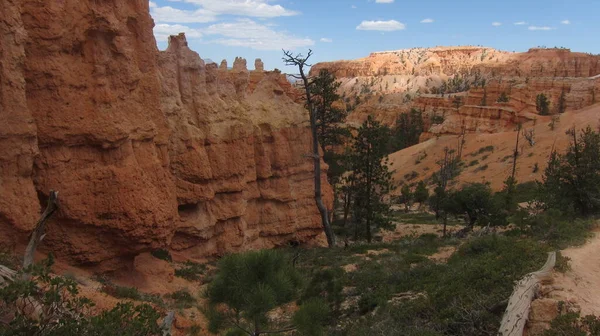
x=519 y=304
x=301 y=61
x=511 y=182
x=530 y=136
x=38 y=233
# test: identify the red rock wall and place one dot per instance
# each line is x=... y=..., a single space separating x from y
x=146 y=149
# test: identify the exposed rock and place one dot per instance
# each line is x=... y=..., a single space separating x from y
x=259 y=65
x=19 y=205
x=223 y=65
x=147 y=149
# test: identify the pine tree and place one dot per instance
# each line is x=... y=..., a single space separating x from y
x=406 y=197
x=328 y=117
x=562 y=101
x=253 y=283
x=407 y=130
x=571 y=180
x=421 y=193
x=542 y=104
x=371 y=178
x=330 y=132
x=300 y=61
x=484 y=98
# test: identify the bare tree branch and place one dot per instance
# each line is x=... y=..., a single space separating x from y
x=38 y=233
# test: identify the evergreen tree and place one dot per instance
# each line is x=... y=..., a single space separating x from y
x=406 y=197
x=407 y=130
x=328 y=117
x=421 y=193
x=457 y=101
x=371 y=178
x=562 y=101
x=330 y=131
x=503 y=98
x=542 y=104
x=484 y=98
x=476 y=201
x=571 y=181
x=300 y=61
x=252 y=284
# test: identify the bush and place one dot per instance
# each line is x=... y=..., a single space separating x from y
x=182 y=298
x=542 y=104
x=191 y=271
x=162 y=254
x=65 y=313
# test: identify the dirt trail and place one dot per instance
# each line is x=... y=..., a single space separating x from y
x=582 y=283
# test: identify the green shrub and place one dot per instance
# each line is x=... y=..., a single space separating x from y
x=182 y=298
x=191 y=271
x=162 y=254
x=73 y=318
x=473 y=163
x=327 y=284
x=572 y=324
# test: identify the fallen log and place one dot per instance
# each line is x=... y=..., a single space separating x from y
x=519 y=304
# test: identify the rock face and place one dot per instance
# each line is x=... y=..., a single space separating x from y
x=431 y=80
x=148 y=149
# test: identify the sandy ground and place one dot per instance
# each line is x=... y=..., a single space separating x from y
x=582 y=283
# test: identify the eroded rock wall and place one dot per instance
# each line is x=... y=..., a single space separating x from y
x=147 y=149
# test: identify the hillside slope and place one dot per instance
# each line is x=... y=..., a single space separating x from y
x=487 y=157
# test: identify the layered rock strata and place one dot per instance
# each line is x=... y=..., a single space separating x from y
x=148 y=149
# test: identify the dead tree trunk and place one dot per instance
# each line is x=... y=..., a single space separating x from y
x=300 y=62
x=517 y=311
x=38 y=233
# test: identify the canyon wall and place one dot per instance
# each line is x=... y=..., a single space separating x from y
x=461 y=86
x=147 y=149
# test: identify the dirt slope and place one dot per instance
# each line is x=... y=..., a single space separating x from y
x=495 y=164
x=582 y=283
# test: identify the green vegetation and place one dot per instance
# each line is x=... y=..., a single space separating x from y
x=571 y=181
x=182 y=298
x=191 y=271
x=162 y=254
x=65 y=312
x=503 y=98
x=482 y=150
x=407 y=130
x=252 y=284
x=542 y=104
x=401 y=292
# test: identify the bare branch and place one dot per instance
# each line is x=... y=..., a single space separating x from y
x=38 y=232
x=167 y=323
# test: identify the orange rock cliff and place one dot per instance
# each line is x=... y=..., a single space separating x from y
x=147 y=149
x=390 y=83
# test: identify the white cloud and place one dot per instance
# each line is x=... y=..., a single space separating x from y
x=174 y=15
x=390 y=25
x=384 y=1
x=427 y=20
x=496 y=24
x=353 y=7
x=254 y=8
x=152 y=4
x=248 y=33
x=566 y=22
x=326 y=40
x=539 y=28
x=520 y=23
x=163 y=31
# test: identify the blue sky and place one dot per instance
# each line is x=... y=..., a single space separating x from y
x=349 y=29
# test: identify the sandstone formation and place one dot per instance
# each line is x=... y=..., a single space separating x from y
x=391 y=83
x=148 y=149
x=259 y=65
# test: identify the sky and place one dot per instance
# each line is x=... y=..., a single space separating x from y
x=350 y=29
